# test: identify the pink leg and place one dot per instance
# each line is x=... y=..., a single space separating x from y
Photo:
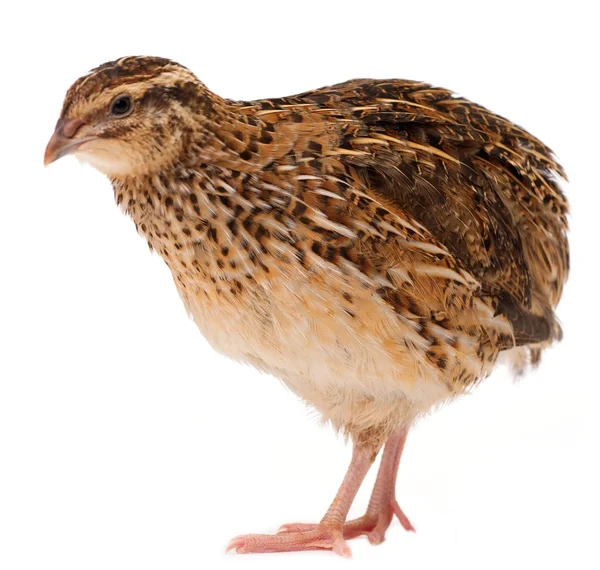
x=382 y=505
x=328 y=534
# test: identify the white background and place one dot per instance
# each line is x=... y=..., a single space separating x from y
x=126 y=443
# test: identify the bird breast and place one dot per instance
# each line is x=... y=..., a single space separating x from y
x=292 y=290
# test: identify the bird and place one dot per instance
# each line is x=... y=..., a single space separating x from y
x=379 y=246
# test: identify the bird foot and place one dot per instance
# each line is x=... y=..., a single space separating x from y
x=372 y=524
x=316 y=537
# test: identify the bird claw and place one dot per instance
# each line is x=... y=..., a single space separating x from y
x=372 y=525
x=406 y=524
x=312 y=537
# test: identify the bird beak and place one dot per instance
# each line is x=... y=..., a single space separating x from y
x=62 y=141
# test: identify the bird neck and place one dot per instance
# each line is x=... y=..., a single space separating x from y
x=227 y=135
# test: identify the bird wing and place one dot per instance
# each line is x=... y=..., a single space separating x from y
x=483 y=187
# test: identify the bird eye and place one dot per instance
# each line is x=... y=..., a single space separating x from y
x=121 y=106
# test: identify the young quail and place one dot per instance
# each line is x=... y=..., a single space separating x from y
x=375 y=244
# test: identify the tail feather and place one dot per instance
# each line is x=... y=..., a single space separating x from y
x=529 y=328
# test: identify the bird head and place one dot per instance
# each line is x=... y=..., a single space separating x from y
x=129 y=116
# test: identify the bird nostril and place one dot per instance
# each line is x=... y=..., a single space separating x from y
x=69 y=127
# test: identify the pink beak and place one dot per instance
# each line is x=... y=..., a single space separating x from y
x=62 y=142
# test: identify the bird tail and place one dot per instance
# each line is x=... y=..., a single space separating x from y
x=532 y=333
x=529 y=328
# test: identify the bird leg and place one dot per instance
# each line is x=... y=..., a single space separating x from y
x=382 y=505
x=329 y=533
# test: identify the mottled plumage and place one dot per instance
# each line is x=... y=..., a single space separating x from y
x=375 y=244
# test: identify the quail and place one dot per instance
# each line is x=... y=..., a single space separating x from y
x=376 y=245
